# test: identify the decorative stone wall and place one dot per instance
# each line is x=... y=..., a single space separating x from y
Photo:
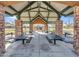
x=76 y=29
x=2 y=30
x=59 y=27
x=19 y=29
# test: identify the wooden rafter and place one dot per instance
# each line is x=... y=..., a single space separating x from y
x=13 y=8
x=27 y=6
x=31 y=9
x=8 y=13
x=38 y=4
x=38 y=16
x=65 y=9
x=40 y=11
x=19 y=12
x=45 y=8
x=48 y=12
x=29 y=13
x=69 y=13
x=33 y=17
x=46 y=3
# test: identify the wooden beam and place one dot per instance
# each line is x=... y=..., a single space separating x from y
x=8 y=13
x=33 y=17
x=70 y=13
x=41 y=11
x=37 y=7
x=13 y=8
x=46 y=3
x=38 y=4
x=27 y=6
x=18 y=16
x=29 y=15
x=65 y=9
x=39 y=16
x=31 y=8
x=45 y=8
x=48 y=13
x=40 y=7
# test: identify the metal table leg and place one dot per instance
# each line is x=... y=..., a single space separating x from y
x=54 y=41
x=23 y=41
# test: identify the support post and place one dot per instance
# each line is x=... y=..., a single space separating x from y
x=31 y=27
x=76 y=30
x=59 y=27
x=2 y=30
x=46 y=27
x=19 y=29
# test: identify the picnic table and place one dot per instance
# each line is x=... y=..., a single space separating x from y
x=54 y=37
x=65 y=34
x=24 y=38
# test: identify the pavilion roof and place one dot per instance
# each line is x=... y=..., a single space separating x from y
x=48 y=9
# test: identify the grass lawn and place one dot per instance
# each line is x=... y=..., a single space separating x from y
x=9 y=30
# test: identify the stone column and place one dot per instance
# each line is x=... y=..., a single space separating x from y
x=46 y=26
x=59 y=27
x=19 y=29
x=31 y=27
x=2 y=30
x=76 y=29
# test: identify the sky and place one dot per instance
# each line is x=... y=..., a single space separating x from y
x=66 y=20
x=10 y=19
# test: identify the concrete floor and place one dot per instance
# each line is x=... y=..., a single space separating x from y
x=40 y=47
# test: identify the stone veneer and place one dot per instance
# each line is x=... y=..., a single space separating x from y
x=2 y=30
x=76 y=29
x=19 y=29
x=59 y=27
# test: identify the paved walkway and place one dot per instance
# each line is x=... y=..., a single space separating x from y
x=40 y=47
